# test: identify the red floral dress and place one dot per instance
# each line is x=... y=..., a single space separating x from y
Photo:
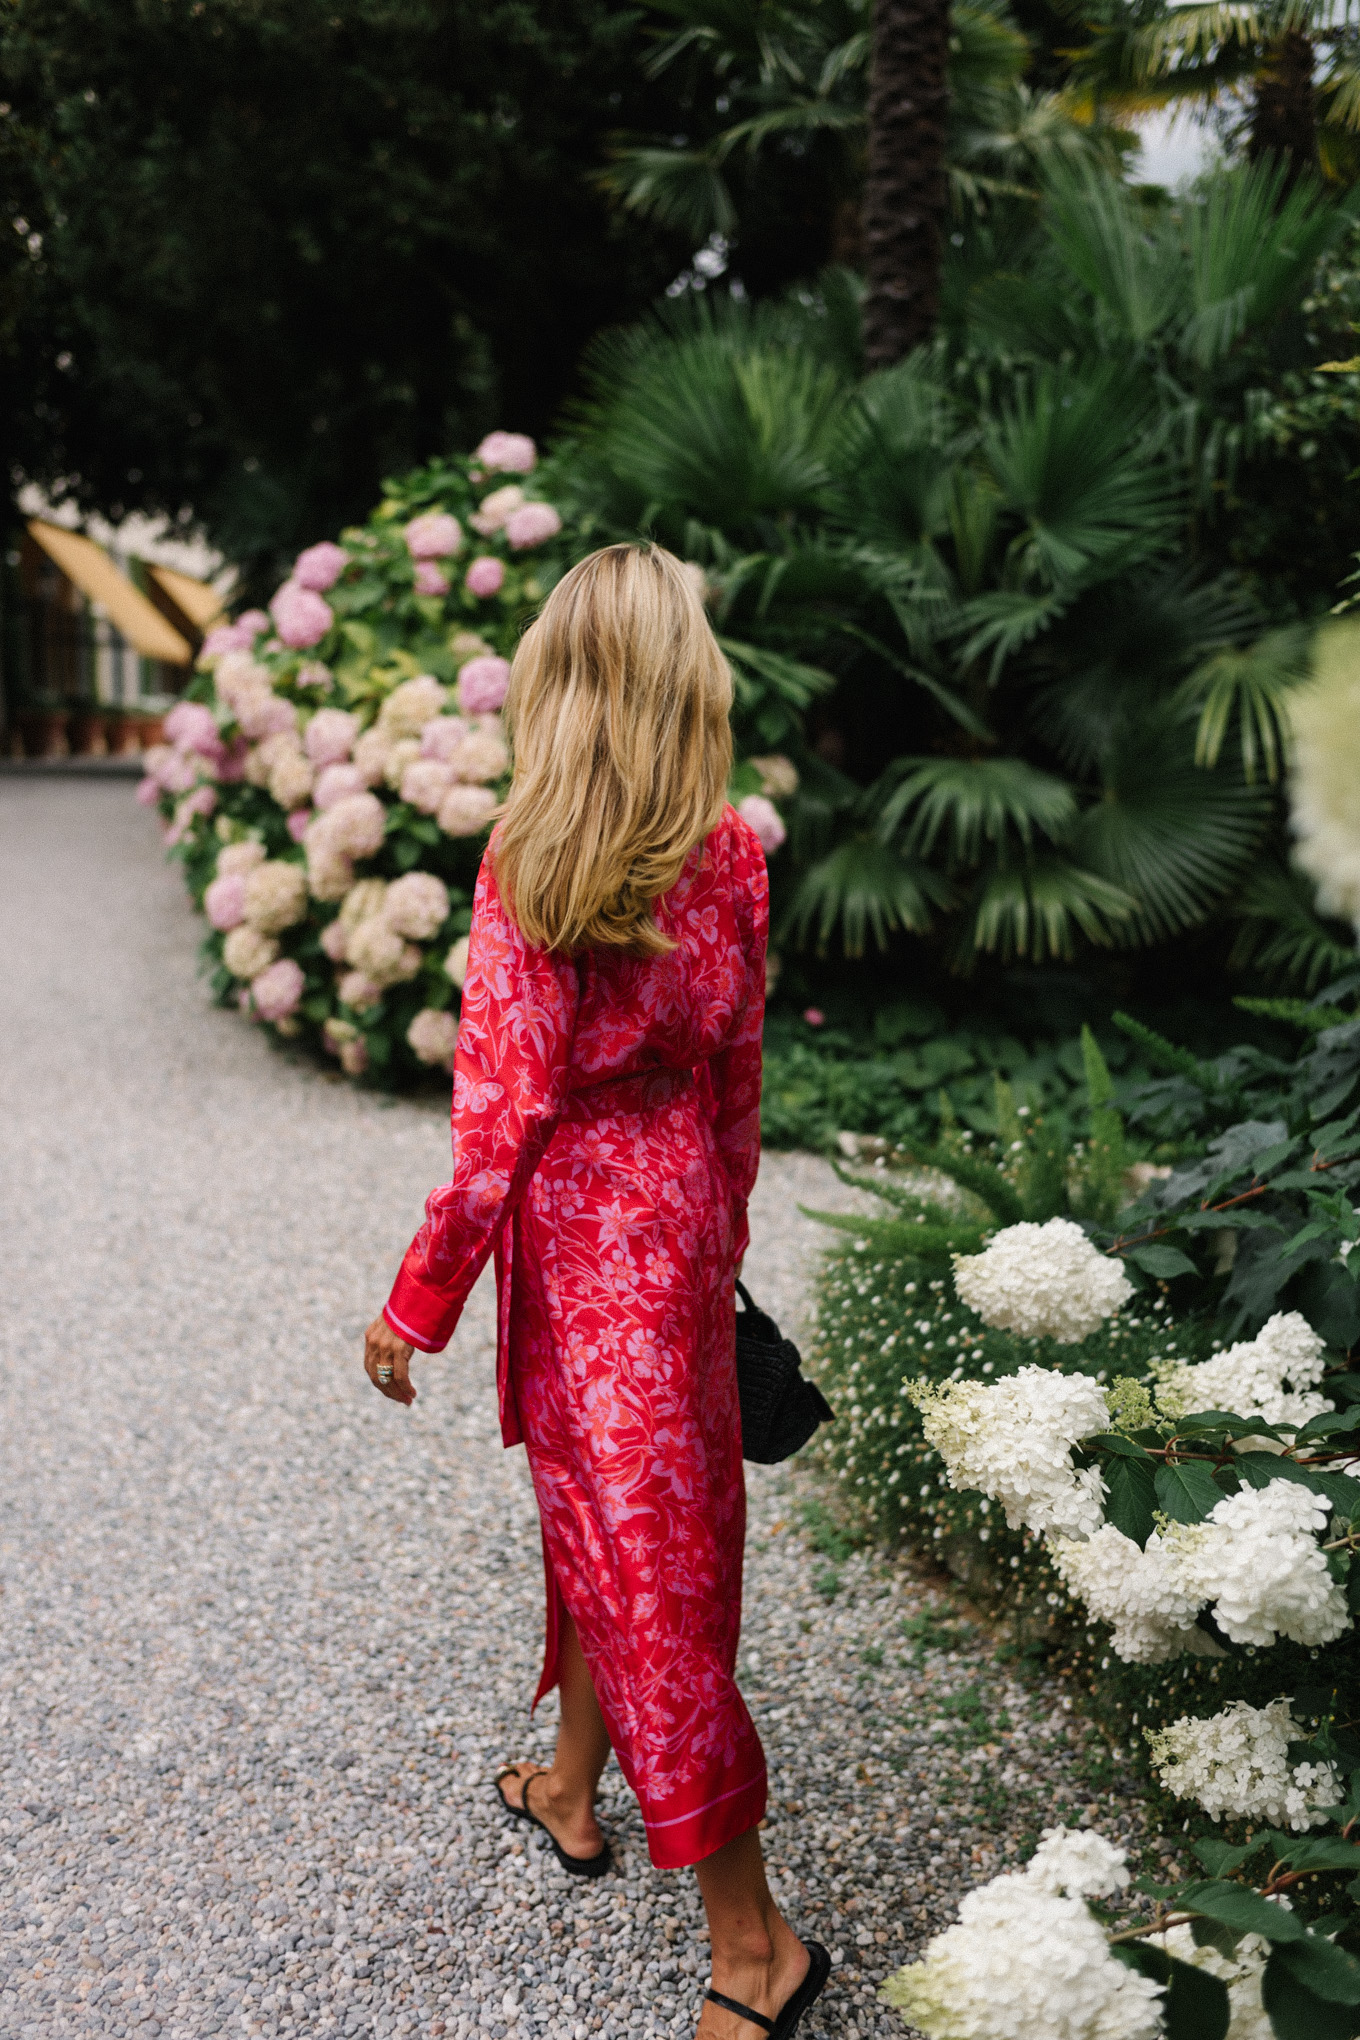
x=606 y=1135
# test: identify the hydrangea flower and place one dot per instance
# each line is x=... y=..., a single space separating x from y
x=319 y=567
x=276 y=993
x=1024 y=1963
x=1013 y=1440
x=495 y=508
x=329 y=736
x=312 y=673
x=485 y=576
x=239 y=857
x=300 y=616
x=370 y=754
x=275 y=897
x=1241 y=1971
x=435 y=536
x=409 y=707
x=534 y=524
x=224 y=902
x=291 y=777
x=483 y=684
x=1043 y=1281
x=424 y=784
x=192 y=726
x=1272 y=1376
x=417 y=905
x=299 y=821
x=480 y=757
x=763 y=816
x=1324 y=794
x=466 y=810
x=433 y=1037
x=1237 y=1763
x=778 y=775
x=1079 y=1862
x=507 y=453
x=429 y=580
x=441 y=737
x=1141 y=1594
x=456 y=962
x=358 y=991
x=1257 y=1560
x=376 y=949
x=246 y=952
x=337 y=783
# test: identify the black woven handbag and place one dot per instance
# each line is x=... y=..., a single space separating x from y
x=780 y=1407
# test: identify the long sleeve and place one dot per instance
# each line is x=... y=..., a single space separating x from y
x=735 y=1070
x=509 y=1086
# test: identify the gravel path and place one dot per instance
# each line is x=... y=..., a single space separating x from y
x=264 y=1637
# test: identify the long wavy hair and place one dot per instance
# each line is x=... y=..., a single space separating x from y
x=618 y=712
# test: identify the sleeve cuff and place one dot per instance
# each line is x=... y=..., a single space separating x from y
x=410 y=1334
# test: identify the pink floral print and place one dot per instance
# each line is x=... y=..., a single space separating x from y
x=606 y=1114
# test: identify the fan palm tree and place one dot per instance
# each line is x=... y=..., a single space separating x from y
x=781 y=135
x=1298 y=59
x=974 y=571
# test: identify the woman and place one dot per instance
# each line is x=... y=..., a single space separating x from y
x=605 y=1140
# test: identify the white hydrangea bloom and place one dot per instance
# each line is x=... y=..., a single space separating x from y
x=1043 y=1281
x=1273 y=1376
x=1237 y=1763
x=1139 y=1593
x=1079 y=1862
x=1257 y=1560
x=1242 y=1971
x=1324 y=787
x=1024 y=1964
x=1013 y=1440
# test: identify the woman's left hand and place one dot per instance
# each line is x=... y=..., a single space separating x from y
x=387 y=1362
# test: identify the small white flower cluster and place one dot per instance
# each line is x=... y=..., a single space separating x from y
x=1043 y=1281
x=1237 y=1763
x=1255 y=1562
x=1025 y=1962
x=1139 y=1593
x=1013 y=1440
x=1273 y=1376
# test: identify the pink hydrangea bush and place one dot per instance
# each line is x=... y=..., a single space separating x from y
x=331 y=778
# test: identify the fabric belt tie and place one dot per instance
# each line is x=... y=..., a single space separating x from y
x=646 y=1091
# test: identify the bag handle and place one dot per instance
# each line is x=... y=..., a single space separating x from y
x=744 y=1293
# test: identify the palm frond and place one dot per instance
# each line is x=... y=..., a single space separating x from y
x=1282 y=933
x=1072 y=458
x=1000 y=623
x=865 y=889
x=679 y=188
x=1253 y=246
x=1130 y=266
x=966 y=803
x=1174 y=837
x=1037 y=911
x=1250 y=687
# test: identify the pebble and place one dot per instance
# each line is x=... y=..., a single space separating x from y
x=264 y=1637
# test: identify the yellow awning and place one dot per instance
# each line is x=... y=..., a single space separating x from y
x=91 y=570
x=200 y=603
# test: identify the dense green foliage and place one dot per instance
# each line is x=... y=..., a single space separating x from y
x=1254 y=1216
x=262 y=256
x=1053 y=646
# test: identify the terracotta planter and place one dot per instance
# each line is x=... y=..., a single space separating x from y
x=89 y=733
x=44 y=733
x=150 y=730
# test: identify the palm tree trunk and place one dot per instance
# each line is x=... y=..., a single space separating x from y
x=1284 y=122
x=905 y=191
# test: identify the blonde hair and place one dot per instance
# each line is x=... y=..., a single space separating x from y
x=618 y=712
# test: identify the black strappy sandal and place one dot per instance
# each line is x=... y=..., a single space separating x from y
x=577 y=1866
x=809 y=1990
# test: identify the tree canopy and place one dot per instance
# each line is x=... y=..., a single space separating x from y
x=264 y=252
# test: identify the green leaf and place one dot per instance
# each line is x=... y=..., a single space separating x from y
x=1186 y=1491
x=1131 y=1496
x=1116 y=1442
x=1163 y=1262
x=1196 y=2005
x=1219 y=1858
x=1297 y=2013
x=1323 y=1855
x=1259 y=1469
x=1323 y=1968
x=1245 y=1910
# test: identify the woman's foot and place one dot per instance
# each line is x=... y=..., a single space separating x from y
x=569 y=1818
x=764 y=1983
